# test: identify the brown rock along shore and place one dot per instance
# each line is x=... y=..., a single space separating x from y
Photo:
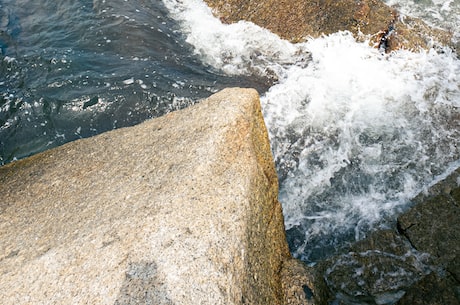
x=298 y=20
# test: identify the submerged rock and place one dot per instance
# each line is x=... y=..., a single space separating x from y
x=180 y=209
x=431 y=226
x=432 y=290
x=298 y=20
x=377 y=270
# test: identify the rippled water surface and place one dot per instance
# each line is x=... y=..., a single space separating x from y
x=71 y=69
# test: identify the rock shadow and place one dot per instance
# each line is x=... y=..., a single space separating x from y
x=143 y=285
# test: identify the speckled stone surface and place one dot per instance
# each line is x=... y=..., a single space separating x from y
x=177 y=210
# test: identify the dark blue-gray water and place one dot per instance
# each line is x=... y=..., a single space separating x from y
x=72 y=69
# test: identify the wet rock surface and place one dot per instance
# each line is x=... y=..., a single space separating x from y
x=432 y=290
x=298 y=20
x=416 y=262
x=299 y=284
x=432 y=224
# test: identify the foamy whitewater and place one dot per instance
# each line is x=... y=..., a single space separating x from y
x=355 y=133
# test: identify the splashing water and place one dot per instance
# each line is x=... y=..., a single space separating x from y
x=237 y=49
x=355 y=134
x=358 y=134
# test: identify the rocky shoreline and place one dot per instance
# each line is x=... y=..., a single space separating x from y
x=417 y=261
x=183 y=209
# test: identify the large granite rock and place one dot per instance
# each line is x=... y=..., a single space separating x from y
x=181 y=209
x=298 y=20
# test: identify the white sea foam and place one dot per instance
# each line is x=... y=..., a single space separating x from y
x=234 y=49
x=355 y=133
x=375 y=128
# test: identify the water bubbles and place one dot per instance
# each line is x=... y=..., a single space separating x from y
x=128 y=81
x=9 y=59
x=131 y=81
x=141 y=84
x=365 y=133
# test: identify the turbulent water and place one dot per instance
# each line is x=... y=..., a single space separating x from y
x=355 y=133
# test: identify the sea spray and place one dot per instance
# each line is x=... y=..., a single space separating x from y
x=356 y=134
x=237 y=49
